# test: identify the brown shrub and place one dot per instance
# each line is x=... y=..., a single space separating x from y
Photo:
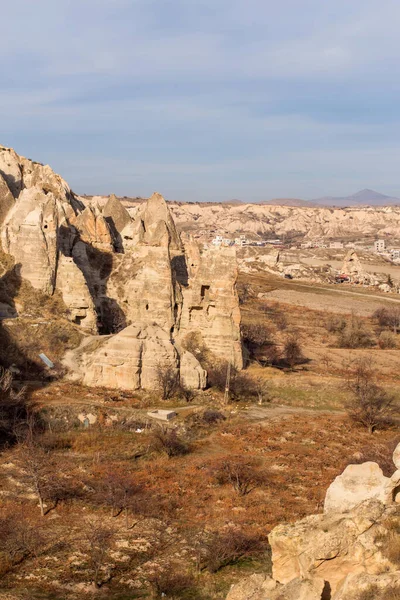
x=335 y=323
x=382 y=454
x=241 y=385
x=21 y=538
x=257 y=338
x=387 y=340
x=354 y=335
x=388 y=317
x=292 y=351
x=374 y=592
x=211 y=416
x=275 y=314
x=193 y=343
x=170 y=582
x=389 y=541
x=13 y=409
x=169 y=442
x=243 y=474
x=225 y=547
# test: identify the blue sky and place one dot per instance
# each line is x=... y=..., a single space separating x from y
x=206 y=99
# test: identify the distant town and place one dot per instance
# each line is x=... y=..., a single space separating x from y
x=379 y=246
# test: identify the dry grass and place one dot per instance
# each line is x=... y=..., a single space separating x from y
x=182 y=500
x=320 y=382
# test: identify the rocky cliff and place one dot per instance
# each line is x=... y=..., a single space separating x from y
x=129 y=279
x=350 y=549
x=311 y=223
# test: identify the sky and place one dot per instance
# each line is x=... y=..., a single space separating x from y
x=205 y=100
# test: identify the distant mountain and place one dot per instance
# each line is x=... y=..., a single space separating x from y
x=361 y=198
x=287 y=202
x=235 y=201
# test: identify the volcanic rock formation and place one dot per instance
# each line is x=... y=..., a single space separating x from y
x=130 y=279
x=348 y=549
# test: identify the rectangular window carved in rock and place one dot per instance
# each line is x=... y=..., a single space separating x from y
x=205 y=292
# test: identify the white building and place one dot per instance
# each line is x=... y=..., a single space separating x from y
x=336 y=245
x=241 y=241
x=379 y=246
x=217 y=241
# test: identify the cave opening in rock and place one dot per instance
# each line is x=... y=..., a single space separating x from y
x=205 y=292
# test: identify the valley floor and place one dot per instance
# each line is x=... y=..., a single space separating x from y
x=174 y=535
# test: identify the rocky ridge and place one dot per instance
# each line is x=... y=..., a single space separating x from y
x=311 y=223
x=351 y=548
x=133 y=280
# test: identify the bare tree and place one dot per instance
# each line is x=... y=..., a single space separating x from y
x=13 y=408
x=118 y=491
x=261 y=387
x=245 y=292
x=21 y=537
x=242 y=474
x=257 y=338
x=167 y=380
x=37 y=471
x=370 y=404
x=98 y=540
x=388 y=317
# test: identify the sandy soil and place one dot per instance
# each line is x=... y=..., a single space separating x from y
x=334 y=300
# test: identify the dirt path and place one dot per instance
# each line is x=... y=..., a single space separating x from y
x=274 y=412
x=354 y=293
x=330 y=299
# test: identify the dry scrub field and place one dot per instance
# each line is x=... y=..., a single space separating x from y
x=181 y=512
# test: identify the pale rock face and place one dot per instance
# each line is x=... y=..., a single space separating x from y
x=357 y=484
x=262 y=587
x=7 y=200
x=158 y=224
x=30 y=235
x=331 y=546
x=10 y=169
x=313 y=223
x=118 y=270
x=193 y=376
x=37 y=175
x=142 y=284
x=255 y=587
x=210 y=301
x=118 y=219
x=271 y=259
x=75 y=293
x=396 y=456
x=130 y=359
x=93 y=229
x=301 y=589
x=355 y=584
x=117 y=213
x=335 y=555
x=352 y=264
